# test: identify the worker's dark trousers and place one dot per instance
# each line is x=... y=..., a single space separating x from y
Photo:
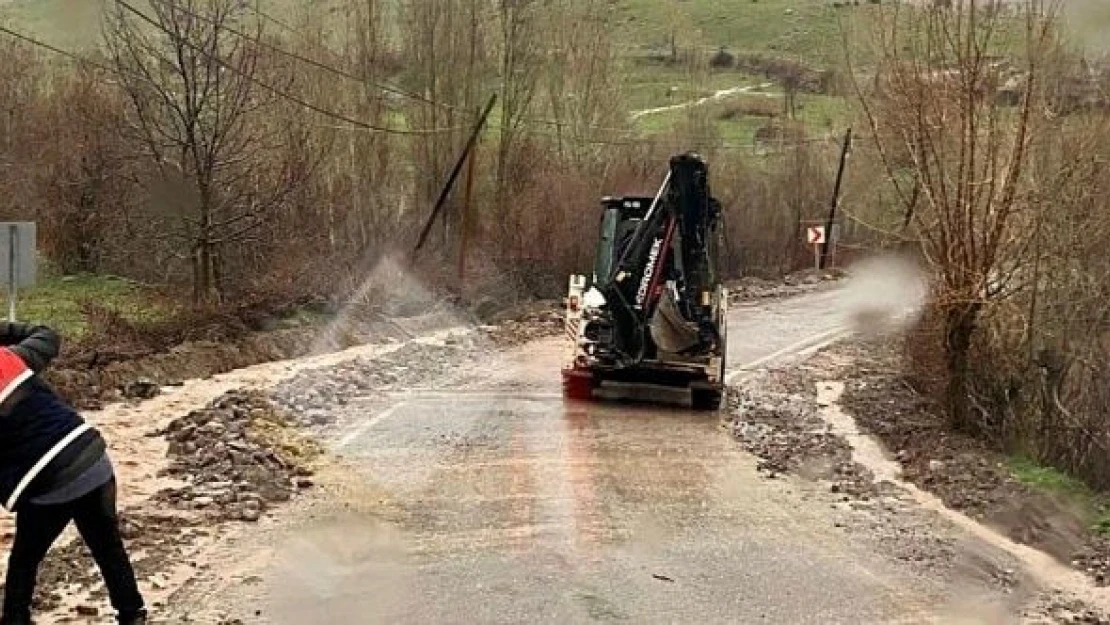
x=38 y=526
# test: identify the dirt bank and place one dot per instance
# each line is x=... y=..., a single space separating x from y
x=91 y=384
x=783 y=422
x=755 y=289
x=965 y=473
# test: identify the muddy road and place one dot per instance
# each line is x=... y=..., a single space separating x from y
x=482 y=496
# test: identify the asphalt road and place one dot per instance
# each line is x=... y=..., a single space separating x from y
x=492 y=500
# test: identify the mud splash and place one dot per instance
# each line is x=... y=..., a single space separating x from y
x=1041 y=568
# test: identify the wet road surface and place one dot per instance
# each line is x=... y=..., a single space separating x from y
x=498 y=502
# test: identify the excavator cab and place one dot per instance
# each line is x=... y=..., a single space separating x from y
x=619 y=219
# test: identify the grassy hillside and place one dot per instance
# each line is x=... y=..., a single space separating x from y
x=75 y=24
x=806 y=29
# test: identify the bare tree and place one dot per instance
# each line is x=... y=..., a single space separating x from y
x=581 y=82
x=194 y=97
x=21 y=75
x=80 y=174
x=959 y=155
x=446 y=44
x=521 y=60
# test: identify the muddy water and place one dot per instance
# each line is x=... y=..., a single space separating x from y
x=868 y=452
x=498 y=502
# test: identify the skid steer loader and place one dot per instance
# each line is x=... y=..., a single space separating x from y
x=653 y=311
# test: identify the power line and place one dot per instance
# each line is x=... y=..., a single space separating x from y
x=338 y=72
x=70 y=55
x=625 y=142
x=274 y=90
x=298 y=57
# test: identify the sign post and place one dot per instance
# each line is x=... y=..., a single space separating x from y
x=17 y=259
x=815 y=236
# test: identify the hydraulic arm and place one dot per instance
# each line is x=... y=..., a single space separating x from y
x=663 y=282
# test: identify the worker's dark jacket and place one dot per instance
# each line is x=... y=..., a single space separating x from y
x=44 y=443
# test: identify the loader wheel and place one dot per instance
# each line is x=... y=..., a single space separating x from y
x=578 y=386
x=705 y=399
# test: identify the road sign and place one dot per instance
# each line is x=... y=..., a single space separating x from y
x=17 y=258
x=815 y=235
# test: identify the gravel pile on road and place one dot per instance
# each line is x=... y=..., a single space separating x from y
x=1094 y=559
x=1061 y=611
x=752 y=288
x=310 y=397
x=238 y=457
x=784 y=431
x=526 y=327
x=778 y=419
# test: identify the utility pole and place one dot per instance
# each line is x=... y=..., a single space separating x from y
x=474 y=135
x=465 y=233
x=826 y=246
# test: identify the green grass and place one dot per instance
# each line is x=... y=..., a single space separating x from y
x=57 y=301
x=1096 y=507
x=806 y=29
x=818 y=113
x=809 y=31
x=76 y=24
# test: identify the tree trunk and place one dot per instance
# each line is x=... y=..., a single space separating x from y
x=205 y=274
x=199 y=273
x=959 y=326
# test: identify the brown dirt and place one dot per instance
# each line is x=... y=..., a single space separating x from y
x=231 y=461
x=777 y=418
x=90 y=379
x=89 y=385
x=963 y=471
x=806 y=281
x=196 y=461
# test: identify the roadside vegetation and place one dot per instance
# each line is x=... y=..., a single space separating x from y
x=1093 y=505
x=66 y=302
x=990 y=165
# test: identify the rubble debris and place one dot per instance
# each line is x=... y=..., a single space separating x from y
x=1094 y=559
x=142 y=388
x=310 y=397
x=787 y=435
x=1069 y=612
x=526 y=327
x=962 y=470
x=778 y=421
x=237 y=457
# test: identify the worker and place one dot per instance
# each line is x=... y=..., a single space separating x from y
x=54 y=469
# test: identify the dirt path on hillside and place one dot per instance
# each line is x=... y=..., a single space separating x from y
x=717 y=96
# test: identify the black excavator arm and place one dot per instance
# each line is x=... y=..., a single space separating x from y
x=670 y=249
